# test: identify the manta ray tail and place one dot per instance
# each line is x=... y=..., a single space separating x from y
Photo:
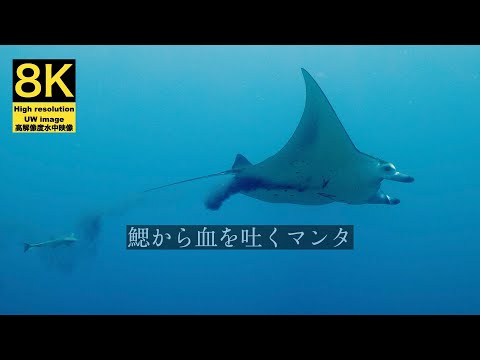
x=222 y=193
x=216 y=198
x=192 y=179
x=239 y=163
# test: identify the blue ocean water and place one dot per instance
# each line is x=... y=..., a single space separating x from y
x=151 y=115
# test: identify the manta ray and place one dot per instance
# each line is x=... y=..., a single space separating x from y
x=318 y=165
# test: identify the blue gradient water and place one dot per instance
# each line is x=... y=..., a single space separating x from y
x=150 y=115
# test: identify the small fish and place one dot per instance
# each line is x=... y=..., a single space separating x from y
x=53 y=243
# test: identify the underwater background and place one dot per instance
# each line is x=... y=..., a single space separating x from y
x=151 y=115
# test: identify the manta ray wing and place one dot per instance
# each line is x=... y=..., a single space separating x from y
x=319 y=130
x=319 y=146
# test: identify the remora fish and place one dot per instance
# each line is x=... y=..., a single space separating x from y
x=53 y=243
